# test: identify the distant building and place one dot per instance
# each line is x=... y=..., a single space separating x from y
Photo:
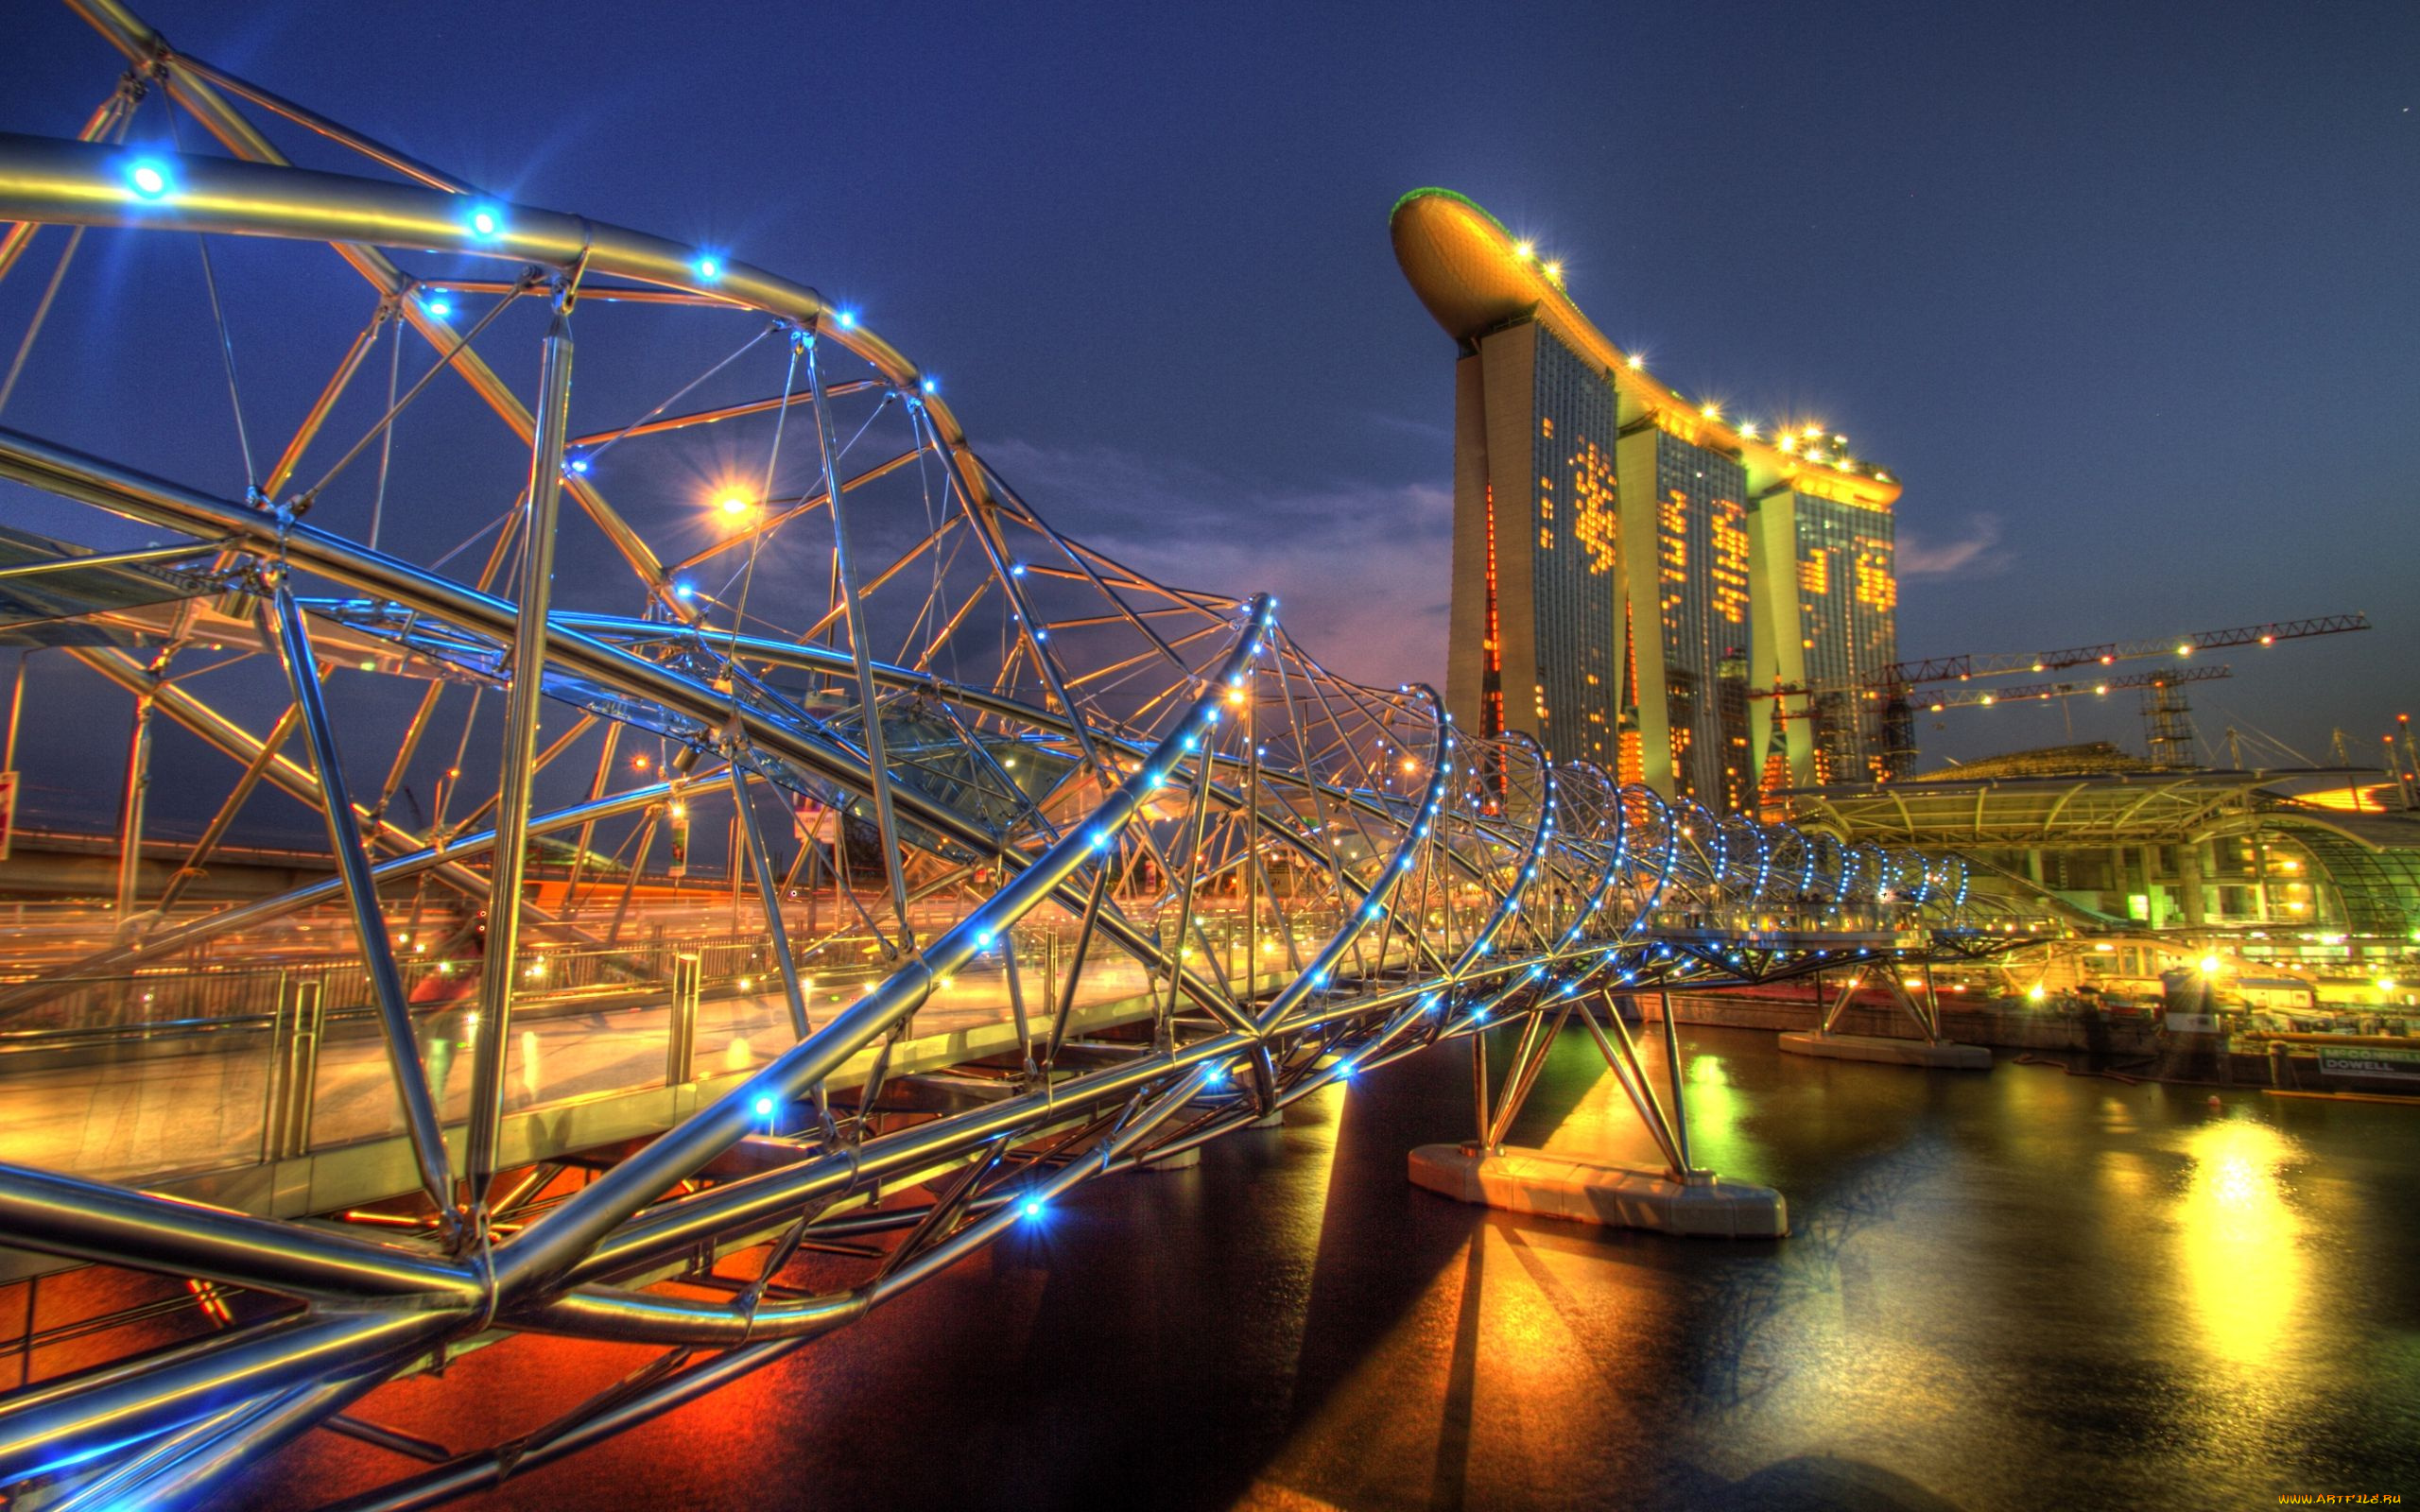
x=2295 y=864
x=1591 y=500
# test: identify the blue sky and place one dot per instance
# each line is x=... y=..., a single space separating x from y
x=2124 y=294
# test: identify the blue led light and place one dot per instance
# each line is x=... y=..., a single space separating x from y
x=709 y=268
x=983 y=939
x=1031 y=1206
x=577 y=464
x=684 y=592
x=1101 y=839
x=847 y=319
x=1016 y=569
x=440 y=308
x=764 y=1108
x=149 y=178
x=930 y=385
x=486 y=222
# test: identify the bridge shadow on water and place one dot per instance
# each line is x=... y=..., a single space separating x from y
x=1290 y=1325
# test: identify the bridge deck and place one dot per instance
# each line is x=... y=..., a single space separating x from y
x=191 y=1124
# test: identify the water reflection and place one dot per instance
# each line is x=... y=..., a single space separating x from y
x=2009 y=1290
x=2239 y=1239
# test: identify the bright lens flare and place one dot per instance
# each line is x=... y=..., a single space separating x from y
x=732 y=505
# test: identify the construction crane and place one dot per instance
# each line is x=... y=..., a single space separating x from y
x=1896 y=687
x=2162 y=677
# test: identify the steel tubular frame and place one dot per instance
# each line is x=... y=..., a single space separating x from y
x=1062 y=755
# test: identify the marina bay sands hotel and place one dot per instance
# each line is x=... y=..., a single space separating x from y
x=1630 y=565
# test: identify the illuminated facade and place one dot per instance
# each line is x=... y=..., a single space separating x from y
x=1686 y=540
x=1536 y=622
x=1829 y=621
x=1639 y=580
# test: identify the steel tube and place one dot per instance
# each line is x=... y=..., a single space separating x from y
x=769 y=887
x=557 y=1242
x=1672 y=1073
x=361 y=892
x=861 y=648
x=63 y=1422
x=523 y=698
x=110 y=1224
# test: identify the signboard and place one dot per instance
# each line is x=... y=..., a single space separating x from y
x=2400 y=1065
x=814 y=820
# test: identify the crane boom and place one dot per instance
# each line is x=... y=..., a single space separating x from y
x=2159 y=677
x=1901 y=676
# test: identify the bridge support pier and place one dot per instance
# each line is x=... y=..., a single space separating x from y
x=1931 y=1050
x=1676 y=1196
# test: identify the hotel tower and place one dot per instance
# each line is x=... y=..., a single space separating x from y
x=1630 y=566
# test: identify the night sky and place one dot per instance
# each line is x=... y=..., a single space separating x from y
x=2126 y=295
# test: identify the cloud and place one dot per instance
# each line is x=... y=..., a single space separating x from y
x=1361 y=569
x=1974 y=554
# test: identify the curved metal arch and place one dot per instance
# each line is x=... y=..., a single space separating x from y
x=1151 y=764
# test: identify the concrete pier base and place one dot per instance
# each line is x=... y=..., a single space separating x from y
x=1941 y=1056
x=1180 y=1160
x=1274 y=1118
x=1612 y=1195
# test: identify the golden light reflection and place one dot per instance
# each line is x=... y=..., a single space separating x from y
x=2239 y=1240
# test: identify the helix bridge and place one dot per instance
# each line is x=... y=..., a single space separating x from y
x=721 y=819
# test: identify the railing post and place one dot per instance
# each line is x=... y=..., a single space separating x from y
x=274 y=1094
x=308 y=1019
x=681 y=1039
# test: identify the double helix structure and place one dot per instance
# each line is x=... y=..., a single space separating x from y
x=620 y=790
